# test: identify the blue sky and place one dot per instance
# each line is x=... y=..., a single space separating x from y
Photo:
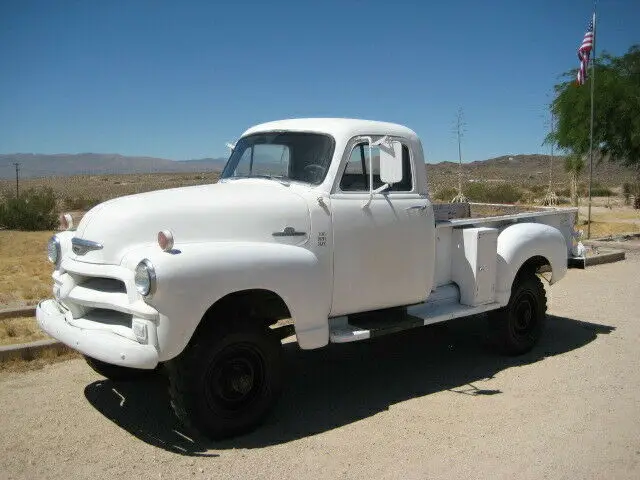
x=179 y=79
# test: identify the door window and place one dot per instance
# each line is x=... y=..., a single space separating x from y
x=356 y=174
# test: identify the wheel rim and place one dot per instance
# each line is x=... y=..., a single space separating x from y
x=235 y=378
x=525 y=314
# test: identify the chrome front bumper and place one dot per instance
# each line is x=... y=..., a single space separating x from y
x=102 y=345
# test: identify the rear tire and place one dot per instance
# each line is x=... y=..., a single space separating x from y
x=518 y=326
x=228 y=378
x=116 y=372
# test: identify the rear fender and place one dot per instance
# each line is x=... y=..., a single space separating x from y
x=521 y=242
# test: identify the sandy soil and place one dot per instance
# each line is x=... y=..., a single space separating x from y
x=435 y=402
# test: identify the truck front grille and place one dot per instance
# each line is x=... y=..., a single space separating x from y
x=109 y=317
x=105 y=285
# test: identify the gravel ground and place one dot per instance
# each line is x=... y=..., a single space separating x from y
x=435 y=402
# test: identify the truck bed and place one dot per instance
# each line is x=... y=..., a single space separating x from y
x=450 y=216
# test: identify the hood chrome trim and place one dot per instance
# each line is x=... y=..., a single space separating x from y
x=289 y=232
x=80 y=246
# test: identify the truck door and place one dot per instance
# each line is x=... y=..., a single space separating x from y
x=380 y=254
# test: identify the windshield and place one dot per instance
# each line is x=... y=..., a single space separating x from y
x=299 y=156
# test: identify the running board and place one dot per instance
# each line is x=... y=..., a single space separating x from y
x=375 y=324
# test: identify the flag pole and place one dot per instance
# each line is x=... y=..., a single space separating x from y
x=593 y=81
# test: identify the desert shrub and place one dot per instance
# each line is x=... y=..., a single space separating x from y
x=34 y=209
x=445 y=194
x=597 y=190
x=626 y=193
x=492 y=193
x=80 y=203
x=538 y=189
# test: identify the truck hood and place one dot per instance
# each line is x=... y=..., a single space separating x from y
x=240 y=210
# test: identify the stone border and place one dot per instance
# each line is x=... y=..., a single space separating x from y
x=605 y=257
x=28 y=311
x=29 y=351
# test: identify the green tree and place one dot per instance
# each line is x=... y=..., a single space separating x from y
x=616 y=125
x=574 y=165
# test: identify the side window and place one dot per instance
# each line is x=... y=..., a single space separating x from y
x=356 y=174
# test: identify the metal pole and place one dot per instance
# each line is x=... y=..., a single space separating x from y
x=593 y=81
x=551 y=159
x=17 y=165
x=459 y=153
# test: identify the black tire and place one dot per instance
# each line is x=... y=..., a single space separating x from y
x=518 y=326
x=228 y=378
x=116 y=372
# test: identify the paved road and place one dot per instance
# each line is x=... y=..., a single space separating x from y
x=435 y=403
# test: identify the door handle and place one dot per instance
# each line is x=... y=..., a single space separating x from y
x=416 y=207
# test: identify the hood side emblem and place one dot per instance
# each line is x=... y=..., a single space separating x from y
x=289 y=232
x=80 y=246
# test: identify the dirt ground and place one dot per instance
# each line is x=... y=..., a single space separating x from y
x=432 y=403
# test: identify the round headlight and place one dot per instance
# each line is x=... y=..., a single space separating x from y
x=145 y=277
x=53 y=250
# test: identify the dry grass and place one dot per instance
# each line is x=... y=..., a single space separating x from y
x=20 y=330
x=43 y=358
x=106 y=187
x=16 y=331
x=25 y=273
x=606 y=229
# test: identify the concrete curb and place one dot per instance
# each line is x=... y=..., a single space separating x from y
x=605 y=257
x=29 y=351
x=29 y=311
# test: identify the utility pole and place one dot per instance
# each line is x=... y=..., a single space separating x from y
x=551 y=199
x=459 y=130
x=17 y=165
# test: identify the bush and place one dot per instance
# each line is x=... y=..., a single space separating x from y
x=445 y=194
x=539 y=189
x=492 y=193
x=35 y=209
x=597 y=190
x=626 y=193
x=80 y=203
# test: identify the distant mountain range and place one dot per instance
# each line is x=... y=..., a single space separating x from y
x=63 y=164
x=521 y=169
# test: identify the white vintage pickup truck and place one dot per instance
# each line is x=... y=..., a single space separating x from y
x=326 y=222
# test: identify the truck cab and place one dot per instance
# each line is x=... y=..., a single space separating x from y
x=326 y=222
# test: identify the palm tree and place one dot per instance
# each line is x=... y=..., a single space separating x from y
x=574 y=165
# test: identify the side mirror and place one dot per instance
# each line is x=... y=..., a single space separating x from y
x=390 y=162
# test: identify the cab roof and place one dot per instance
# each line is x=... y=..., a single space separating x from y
x=344 y=128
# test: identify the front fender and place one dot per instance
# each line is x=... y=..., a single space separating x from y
x=195 y=276
x=518 y=243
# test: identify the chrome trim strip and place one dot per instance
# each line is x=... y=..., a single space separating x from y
x=80 y=246
x=289 y=232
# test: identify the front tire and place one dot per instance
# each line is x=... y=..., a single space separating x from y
x=116 y=372
x=518 y=326
x=227 y=379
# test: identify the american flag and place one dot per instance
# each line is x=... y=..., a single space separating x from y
x=583 y=54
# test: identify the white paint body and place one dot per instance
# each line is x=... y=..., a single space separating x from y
x=347 y=258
